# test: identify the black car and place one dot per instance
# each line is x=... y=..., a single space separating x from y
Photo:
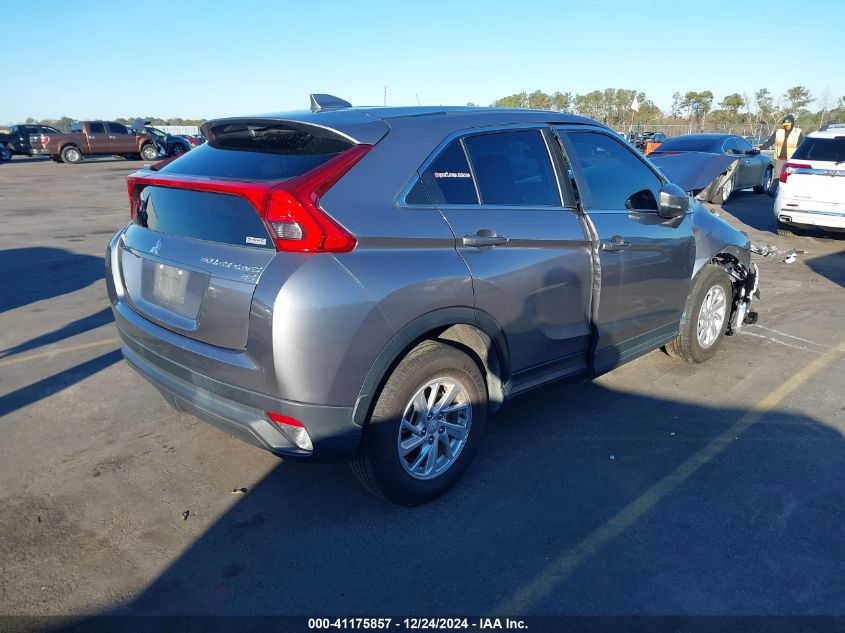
x=17 y=140
x=748 y=169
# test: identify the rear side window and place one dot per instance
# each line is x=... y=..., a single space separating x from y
x=448 y=179
x=513 y=168
x=828 y=149
x=259 y=151
x=609 y=176
x=96 y=128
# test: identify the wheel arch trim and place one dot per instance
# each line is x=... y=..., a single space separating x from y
x=496 y=365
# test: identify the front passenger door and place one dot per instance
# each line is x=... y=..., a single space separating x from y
x=645 y=261
x=120 y=140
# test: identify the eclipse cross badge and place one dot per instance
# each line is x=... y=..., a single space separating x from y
x=155 y=250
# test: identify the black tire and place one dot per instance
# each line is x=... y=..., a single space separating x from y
x=767 y=181
x=178 y=149
x=56 y=159
x=5 y=153
x=786 y=230
x=687 y=346
x=149 y=152
x=71 y=154
x=723 y=192
x=378 y=465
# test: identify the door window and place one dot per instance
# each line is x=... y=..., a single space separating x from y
x=609 y=176
x=513 y=168
x=96 y=128
x=117 y=128
x=730 y=146
x=448 y=180
x=742 y=144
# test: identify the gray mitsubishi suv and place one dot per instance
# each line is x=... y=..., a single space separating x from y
x=368 y=284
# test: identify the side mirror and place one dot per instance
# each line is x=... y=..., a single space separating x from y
x=754 y=151
x=673 y=203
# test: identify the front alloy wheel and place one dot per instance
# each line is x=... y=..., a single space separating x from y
x=711 y=316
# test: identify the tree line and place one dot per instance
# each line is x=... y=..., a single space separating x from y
x=760 y=109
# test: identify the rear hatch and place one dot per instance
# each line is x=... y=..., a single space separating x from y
x=816 y=172
x=206 y=226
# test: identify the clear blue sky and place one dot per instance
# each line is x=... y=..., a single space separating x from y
x=209 y=59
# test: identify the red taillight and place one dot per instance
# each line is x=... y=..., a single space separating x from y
x=278 y=418
x=291 y=209
x=294 y=214
x=45 y=139
x=789 y=168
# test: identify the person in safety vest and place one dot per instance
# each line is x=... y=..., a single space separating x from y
x=785 y=141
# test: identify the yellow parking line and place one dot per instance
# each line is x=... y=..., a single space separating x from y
x=61 y=350
x=560 y=569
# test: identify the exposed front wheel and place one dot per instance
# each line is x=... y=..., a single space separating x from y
x=149 y=152
x=708 y=313
x=178 y=150
x=425 y=426
x=766 y=185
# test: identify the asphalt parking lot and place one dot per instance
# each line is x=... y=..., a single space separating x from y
x=660 y=488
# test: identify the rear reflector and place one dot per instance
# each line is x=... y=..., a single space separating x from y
x=292 y=429
x=290 y=209
x=790 y=168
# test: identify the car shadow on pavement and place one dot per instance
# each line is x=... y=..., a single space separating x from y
x=755 y=528
x=57 y=382
x=830 y=266
x=79 y=326
x=37 y=273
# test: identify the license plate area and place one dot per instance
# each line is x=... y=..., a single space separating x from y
x=177 y=290
x=170 y=284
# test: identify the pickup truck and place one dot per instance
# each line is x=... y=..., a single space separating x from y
x=17 y=141
x=91 y=138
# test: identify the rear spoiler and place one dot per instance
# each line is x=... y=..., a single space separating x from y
x=342 y=124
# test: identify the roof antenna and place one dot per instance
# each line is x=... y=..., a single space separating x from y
x=418 y=98
x=385 y=95
x=320 y=102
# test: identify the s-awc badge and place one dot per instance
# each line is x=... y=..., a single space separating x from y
x=261 y=241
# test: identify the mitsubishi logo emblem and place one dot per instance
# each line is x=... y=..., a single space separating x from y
x=155 y=250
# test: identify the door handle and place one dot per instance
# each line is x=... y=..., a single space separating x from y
x=615 y=245
x=485 y=237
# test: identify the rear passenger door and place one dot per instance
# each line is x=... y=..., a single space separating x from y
x=645 y=261
x=96 y=138
x=525 y=246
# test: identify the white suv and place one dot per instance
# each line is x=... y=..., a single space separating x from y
x=811 y=191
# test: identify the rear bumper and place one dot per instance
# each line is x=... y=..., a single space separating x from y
x=243 y=413
x=39 y=152
x=812 y=217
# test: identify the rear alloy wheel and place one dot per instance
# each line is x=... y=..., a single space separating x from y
x=149 y=152
x=71 y=154
x=766 y=185
x=425 y=426
x=708 y=313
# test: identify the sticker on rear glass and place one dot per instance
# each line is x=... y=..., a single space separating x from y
x=256 y=240
x=452 y=174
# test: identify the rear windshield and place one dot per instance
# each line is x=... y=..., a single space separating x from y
x=830 y=149
x=200 y=215
x=258 y=151
x=680 y=144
